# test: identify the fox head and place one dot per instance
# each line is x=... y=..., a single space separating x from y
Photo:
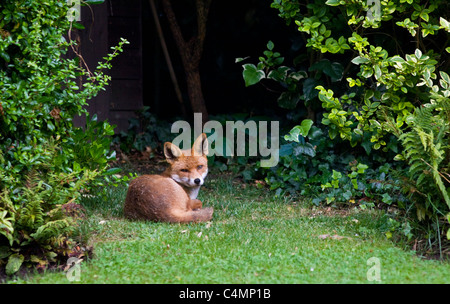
x=188 y=167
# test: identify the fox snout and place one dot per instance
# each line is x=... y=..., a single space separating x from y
x=187 y=181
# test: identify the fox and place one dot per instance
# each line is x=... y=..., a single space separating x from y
x=172 y=195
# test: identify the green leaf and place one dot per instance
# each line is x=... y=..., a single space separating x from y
x=78 y=26
x=386 y=198
x=333 y=69
x=288 y=100
x=332 y=2
x=5 y=56
x=92 y=2
x=113 y=171
x=358 y=60
x=270 y=45
x=14 y=262
x=361 y=167
x=239 y=59
x=445 y=77
x=377 y=71
x=306 y=149
x=302 y=129
x=251 y=74
x=305 y=126
x=51 y=126
x=309 y=89
x=418 y=53
x=444 y=24
x=424 y=16
x=4 y=252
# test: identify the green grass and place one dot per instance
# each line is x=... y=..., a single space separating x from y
x=254 y=238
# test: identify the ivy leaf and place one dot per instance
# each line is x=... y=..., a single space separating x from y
x=305 y=126
x=309 y=89
x=387 y=199
x=302 y=129
x=288 y=99
x=252 y=74
x=306 y=149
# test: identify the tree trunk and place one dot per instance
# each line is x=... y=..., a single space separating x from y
x=194 y=87
x=191 y=52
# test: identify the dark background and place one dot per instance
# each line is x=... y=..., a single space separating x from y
x=140 y=76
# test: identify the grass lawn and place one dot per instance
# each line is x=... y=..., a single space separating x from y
x=254 y=237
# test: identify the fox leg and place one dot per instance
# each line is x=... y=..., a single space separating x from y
x=194 y=204
x=199 y=215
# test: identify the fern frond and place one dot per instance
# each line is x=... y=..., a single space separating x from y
x=53 y=229
x=31 y=214
x=425 y=146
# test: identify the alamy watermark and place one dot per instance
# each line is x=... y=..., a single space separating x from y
x=73 y=269
x=223 y=143
x=374 y=12
x=74 y=12
x=374 y=272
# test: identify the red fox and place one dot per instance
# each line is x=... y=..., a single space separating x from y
x=172 y=196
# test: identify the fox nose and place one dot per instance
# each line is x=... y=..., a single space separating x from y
x=197 y=181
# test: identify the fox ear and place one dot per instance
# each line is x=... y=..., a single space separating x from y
x=200 y=146
x=171 y=152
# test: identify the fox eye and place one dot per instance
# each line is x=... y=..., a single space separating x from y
x=184 y=170
x=199 y=167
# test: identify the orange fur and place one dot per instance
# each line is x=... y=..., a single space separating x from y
x=171 y=196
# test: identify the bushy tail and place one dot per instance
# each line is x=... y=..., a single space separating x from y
x=199 y=215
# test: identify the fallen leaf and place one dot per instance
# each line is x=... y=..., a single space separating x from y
x=338 y=237
x=323 y=236
x=334 y=237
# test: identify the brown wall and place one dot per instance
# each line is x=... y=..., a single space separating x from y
x=104 y=25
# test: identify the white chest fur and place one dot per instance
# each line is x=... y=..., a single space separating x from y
x=193 y=192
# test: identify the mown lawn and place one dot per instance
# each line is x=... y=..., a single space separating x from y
x=254 y=238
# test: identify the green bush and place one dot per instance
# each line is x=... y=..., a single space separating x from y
x=313 y=166
x=380 y=81
x=45 y=162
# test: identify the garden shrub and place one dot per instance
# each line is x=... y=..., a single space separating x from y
x=45 y=162
x=375 y=72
